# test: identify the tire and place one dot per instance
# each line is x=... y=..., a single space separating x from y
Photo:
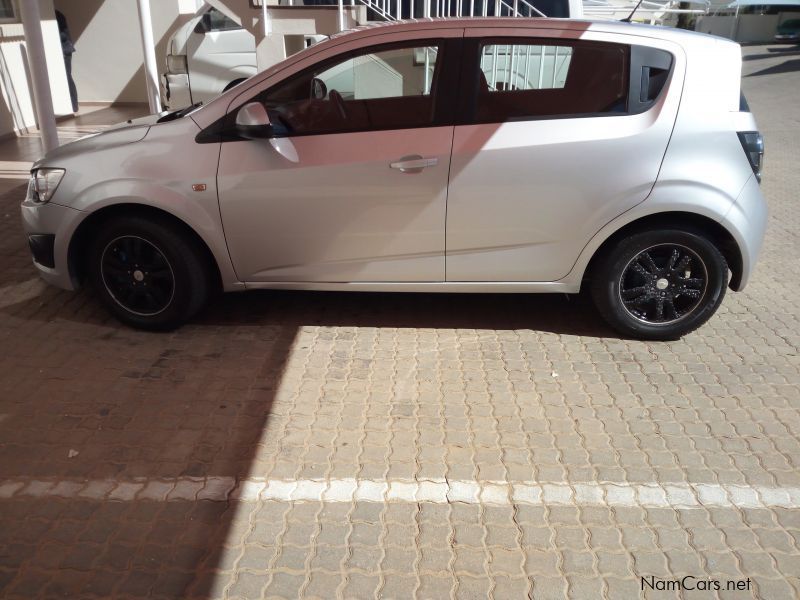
x=633 y=278
x=232 y=84
x=148 y=273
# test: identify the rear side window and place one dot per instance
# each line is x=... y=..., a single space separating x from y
x=527 y=79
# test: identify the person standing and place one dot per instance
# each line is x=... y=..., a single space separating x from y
x=67 y=49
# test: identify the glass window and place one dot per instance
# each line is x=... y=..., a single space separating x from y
x=528 y=81
x=384 y=89
x=525 y=67
x=215 y=20
x=7 y=10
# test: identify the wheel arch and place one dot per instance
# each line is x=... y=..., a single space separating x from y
x=233 y=83
x=80 y=239
x=716 y=232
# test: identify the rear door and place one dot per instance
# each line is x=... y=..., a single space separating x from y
x=559 y=135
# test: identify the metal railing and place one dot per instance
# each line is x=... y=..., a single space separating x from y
x=395 y=10
x=509 y=67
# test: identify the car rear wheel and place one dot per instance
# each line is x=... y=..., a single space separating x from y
x=659 y=285
x=149 y=274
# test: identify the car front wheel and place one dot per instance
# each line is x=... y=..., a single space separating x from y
x=659 y=285
x=148 y=273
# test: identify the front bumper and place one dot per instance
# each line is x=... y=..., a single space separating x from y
x=50 y=227
x=42 y=247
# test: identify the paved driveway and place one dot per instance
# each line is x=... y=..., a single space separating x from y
x=397 y=446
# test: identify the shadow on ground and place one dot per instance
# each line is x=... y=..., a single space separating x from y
x=554 y=313
x=86 y=403
x=790 y=66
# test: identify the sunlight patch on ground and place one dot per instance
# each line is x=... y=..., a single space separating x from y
x=437 y=491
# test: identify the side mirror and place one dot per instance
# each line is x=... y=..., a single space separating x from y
x=252 y=121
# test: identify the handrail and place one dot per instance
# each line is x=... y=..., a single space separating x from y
x=444 y=8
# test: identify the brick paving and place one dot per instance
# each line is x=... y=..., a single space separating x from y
x=407 y=446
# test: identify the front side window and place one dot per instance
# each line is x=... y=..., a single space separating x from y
x=529 y=80
x=391 y=88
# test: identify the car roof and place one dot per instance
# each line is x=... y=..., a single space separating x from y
x=605 y=25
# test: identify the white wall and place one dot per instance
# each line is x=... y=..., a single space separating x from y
x=16 y=108
x=108 y=65
x=750 y=28
x=722 y=26
x=756 y=28
x=747 y=28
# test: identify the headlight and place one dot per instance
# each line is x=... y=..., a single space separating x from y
x=176 y=63
x=44 y=183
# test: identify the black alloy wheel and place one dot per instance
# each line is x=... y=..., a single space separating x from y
x=659 y=284
x=137 y=275
x=150 y=272
x=663 y=284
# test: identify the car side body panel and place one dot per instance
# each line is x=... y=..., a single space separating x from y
x=525 y=196
x=684 y=197
x=704 y=171
x=159 y=172
x=352 y=218
x=747 y=221
x=683 y=155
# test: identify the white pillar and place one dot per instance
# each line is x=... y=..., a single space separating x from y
x=267 y=24
x=149 y=52
x=341 y=15
x=37 y=63
x=735 y=26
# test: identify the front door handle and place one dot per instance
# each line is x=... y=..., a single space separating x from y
x=413 y=164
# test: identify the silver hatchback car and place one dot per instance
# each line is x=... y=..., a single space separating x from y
x=467 y=155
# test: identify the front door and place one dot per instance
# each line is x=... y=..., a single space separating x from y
x=552 y=149
x=352 y=184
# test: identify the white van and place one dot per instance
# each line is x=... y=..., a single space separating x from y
x=211 y=53
x=206 y=56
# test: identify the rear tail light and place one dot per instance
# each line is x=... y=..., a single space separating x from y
x=753 y=144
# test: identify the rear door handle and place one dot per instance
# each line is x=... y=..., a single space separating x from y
x=413 y=164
